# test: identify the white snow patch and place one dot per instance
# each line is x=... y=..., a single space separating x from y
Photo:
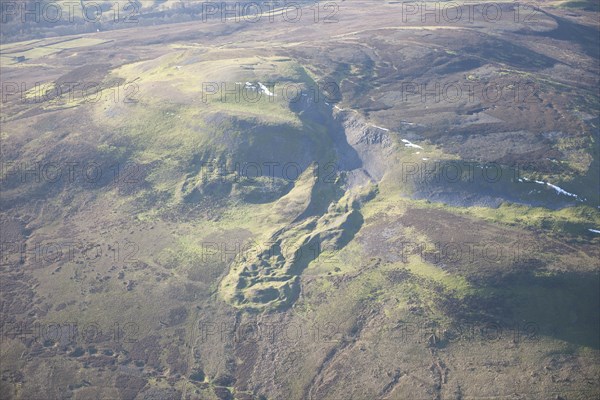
x=265 y=90
x=408 y=143
x=557 y=189
x=383 y=129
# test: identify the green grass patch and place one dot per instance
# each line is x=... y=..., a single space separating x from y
x=587 y=5
x=569 y=220
x=454 y=283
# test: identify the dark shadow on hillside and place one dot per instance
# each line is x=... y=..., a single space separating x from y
x=466 y=184
x=316 y=116
x=565 y=306
x=505 y=52
x=586 y=36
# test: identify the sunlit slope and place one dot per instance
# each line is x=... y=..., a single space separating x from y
x=225 y=119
